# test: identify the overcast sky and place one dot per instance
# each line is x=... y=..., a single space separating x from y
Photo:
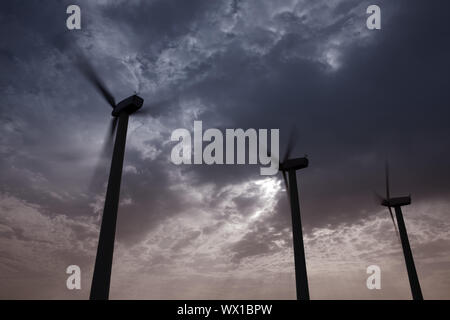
x=355 y=96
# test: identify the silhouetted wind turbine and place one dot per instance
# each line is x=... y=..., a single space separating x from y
x=120 y=113
x=291 y=166
x=397 y=204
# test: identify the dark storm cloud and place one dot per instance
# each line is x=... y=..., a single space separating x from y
x=355 y=97
x=347 y=120
x=159 y=20
x=386 y=101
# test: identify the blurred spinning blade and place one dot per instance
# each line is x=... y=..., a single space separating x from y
x=100 y=170
x=86 y=69
x=393 y=221
x=380 y=200
x=290 y=145
x=388 y=196
x=89 y=73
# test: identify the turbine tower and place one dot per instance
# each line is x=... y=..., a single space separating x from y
x=397 y=204
x=290 y=166
x=120 y=113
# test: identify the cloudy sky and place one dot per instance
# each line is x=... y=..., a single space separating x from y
x=356 y=97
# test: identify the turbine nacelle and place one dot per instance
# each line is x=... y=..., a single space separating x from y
x=128 y=105
x=396 y=202
x=294 y=164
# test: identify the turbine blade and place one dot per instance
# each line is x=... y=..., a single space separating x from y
x=393 y=221
x=142 y=112
x=157 y=108
x=285 y=182
x=388 y=194
x=290 y=145
x=101 y=168
x=112 y=129
x=89 y=73
x=378 y=198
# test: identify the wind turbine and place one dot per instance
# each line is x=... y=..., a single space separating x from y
x=119 y=124
x=290 y=166
x=397 y=204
